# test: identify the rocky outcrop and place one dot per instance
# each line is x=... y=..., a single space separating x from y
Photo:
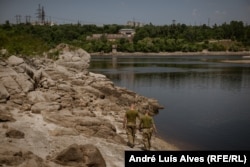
x=48 y=106
x=80 y=155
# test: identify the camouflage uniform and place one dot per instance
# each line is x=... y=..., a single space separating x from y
x=131 y=116
x=146 y=126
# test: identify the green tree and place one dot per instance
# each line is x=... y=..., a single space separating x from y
x=140 y=35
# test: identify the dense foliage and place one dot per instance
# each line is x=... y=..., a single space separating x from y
x=31 y=40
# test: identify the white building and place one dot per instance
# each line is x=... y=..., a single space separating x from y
x=128 y=32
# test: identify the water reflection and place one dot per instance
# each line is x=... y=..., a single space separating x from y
x=188 y=80
x=206 y=101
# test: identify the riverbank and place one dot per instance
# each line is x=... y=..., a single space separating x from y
x=205 y=53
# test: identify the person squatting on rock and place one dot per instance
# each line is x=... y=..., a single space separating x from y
x=130 y=124
x=147 y=127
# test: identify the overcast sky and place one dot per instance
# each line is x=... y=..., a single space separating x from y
x=157 y=12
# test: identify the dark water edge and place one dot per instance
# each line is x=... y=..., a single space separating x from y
x=202 y=53
x=206 y=101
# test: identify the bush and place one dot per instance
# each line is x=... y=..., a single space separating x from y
x=191 y=48
x=216 y=47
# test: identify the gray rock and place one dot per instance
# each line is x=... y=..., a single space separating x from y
x=82 y=113
x=26 y=107
x=62 y=70
x=26 y=83
x=64 y=132
x=65 y=87
x=98 y=76
x=70 y=156
x=79 y=155
x=18 y=101
x=78 y=59
x=7 y=71
x=11 y=85
x=19 y=69
x=77 y=65
x=66 y=56
x=75 y=58
x=38 y=96
x=15 y=61
x=4 y=94
x=45 y=106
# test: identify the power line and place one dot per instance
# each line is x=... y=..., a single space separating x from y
x=42 y=17
x=67 y=20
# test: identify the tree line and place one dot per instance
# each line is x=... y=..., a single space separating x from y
x=36 y=39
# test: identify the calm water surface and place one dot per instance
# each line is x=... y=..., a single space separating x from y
x=207 y=102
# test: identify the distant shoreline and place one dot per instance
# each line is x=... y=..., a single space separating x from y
x=203 y=53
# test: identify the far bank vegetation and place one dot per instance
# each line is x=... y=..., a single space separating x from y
x=28 y=39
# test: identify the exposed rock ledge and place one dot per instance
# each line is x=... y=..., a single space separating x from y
x=56 y=113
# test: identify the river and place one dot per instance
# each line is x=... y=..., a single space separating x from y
x=207 y=102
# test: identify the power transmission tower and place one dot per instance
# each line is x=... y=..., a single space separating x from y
x=40 y=14
x=18 y=19
x=28 y=19
x=43 y=15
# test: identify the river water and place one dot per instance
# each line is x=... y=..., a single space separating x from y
x=207 y=102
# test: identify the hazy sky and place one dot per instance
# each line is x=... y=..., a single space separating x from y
x=158 y=12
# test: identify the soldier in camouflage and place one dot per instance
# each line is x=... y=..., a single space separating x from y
x=147 y=127
x=130 y=124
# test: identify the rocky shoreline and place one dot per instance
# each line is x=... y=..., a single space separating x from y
x=57 y=113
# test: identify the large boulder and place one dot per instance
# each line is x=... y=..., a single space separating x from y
x=65 y=87
x=86 y=124
x=6 y=71
x=80 y=155
x=11 y=85
x=25 y=82
x=45 y=106
x=15 y=61
x=36 y=96
x=39 y=96
x=73 y=59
